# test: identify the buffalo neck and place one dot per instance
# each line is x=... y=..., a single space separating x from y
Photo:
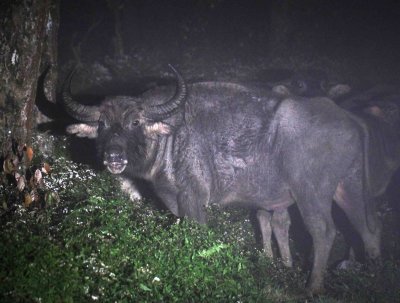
x=159 y=150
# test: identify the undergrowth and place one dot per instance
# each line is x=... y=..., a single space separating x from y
x=95 y=245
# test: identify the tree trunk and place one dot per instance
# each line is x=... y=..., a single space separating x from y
x=28 y=44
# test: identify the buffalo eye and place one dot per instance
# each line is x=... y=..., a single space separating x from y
x=133 y=124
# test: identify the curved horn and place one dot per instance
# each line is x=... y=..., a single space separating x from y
x=167 y=109
x=76 y=110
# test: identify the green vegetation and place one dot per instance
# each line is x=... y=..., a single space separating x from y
x=95 y=245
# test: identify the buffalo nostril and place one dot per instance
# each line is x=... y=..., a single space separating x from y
x=114 y=157
x=114 y=154
x=115 y=160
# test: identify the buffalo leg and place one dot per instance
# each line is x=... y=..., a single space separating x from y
x=279 y=223
x=321 y=227
x=350 y=197
x=264 y=219
x=280 y=226
x=167 y=194
x=192 y=201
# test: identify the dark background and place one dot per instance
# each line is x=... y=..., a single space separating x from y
x=355 y=41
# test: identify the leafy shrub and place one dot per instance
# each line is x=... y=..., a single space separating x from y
x=129 y=253
x=95 y=245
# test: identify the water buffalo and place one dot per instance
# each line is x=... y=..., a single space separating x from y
x=223 y=143
x=377 y=111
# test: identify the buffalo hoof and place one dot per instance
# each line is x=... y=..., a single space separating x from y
x=315 y=289
x=312 y=292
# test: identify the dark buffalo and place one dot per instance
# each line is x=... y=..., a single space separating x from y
x=223 y=143
x=383 y=96
x=381 y=120
x=377 y=111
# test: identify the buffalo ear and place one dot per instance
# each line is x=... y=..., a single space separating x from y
x=158 y=128
x=281 y=90
x=375 y=111
x=83 y=130
x=338 y=90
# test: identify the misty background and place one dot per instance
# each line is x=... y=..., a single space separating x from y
x=353 y=41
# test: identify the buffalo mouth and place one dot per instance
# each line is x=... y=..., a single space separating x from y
x=116 y=167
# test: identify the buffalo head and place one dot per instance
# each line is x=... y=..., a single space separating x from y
x=311 y=83
x=125 y=127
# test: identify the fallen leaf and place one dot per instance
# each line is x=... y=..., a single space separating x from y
x=34 y=195
x=21 y=183
x=29 y=153
x=8 y=165
x=46 y=168
x=27 y=200
x=17 y=176
x=38 y=176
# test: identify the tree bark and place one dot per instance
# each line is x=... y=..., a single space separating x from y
x=28 y=44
